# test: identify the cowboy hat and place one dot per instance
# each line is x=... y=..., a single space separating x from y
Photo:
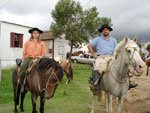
x=105 y=26
x=35 y=29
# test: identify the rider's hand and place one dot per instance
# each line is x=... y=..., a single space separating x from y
x=37 y=57
x=40 y=56
x=95 y=56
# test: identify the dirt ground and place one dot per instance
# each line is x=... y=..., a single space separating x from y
x=138 y=99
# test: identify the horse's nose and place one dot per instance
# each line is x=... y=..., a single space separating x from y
x=140 y=66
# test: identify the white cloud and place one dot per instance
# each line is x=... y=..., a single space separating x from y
x=129 y=17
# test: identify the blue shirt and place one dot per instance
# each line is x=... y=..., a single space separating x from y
x=104 y=46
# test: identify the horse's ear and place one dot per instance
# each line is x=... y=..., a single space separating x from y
x=126 y=39
x=135 y=39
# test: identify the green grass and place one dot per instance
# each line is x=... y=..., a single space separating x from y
x=73 y=98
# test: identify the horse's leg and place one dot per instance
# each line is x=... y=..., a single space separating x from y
x=106 y=102
x=109 y=103
x=100 y=95
x=22 y=100
x=68 y=78
x=15 y=98
x=34 y=97
x=42 y=101
x=92 y=111
x=16 y=95
x=120 y=103
x=68 y=81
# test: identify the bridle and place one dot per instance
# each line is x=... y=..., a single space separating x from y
x=134 y=64
x=47 y=83
x=131 y=62
x=114 y=77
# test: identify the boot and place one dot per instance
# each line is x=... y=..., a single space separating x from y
x=90 y=81
x=132 y=85
x=96 y=79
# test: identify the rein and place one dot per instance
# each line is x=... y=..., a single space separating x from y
x=113 y=75
x=134 y=64
x=47 y=84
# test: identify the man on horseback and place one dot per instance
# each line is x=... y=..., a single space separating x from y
x=33 y=49
x=105 y=46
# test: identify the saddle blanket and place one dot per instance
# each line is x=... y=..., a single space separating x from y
x=101 y=63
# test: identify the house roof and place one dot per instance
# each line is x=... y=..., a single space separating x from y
x=15 y=24
x=47 y=35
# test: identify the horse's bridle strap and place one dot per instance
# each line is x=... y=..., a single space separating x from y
x=47 y=84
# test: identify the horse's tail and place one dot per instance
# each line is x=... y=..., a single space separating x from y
x=16 y=85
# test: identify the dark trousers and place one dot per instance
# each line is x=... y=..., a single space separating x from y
x=24 y=68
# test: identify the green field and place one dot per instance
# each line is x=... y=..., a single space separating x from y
x=73 y=98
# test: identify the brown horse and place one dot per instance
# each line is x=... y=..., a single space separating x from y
x=148 y=65
x=67 y=67
x=42 y=81
x=74 y=54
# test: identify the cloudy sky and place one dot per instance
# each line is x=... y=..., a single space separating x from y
x=129 y=17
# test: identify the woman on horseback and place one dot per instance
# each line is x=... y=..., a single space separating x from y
x=33 y=48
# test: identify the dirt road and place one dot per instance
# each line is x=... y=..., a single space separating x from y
x=138 y=99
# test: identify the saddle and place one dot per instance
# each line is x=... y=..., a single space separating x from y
x=31 y=64
x=103 y=66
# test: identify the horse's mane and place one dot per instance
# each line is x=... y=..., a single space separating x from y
x=44 y=64
x=119 y=48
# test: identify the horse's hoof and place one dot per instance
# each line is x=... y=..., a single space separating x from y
x=22 y=111
x=92 y=111
x=68 y=81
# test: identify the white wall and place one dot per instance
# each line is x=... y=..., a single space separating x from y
x=8 y=54
x=61 y=47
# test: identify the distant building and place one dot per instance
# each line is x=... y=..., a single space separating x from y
x=56 y=47
x=12 y=38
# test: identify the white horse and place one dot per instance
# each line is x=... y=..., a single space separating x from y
x=115 y=81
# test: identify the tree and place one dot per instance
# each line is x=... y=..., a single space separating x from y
x=76 y=24
x=148 y=47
